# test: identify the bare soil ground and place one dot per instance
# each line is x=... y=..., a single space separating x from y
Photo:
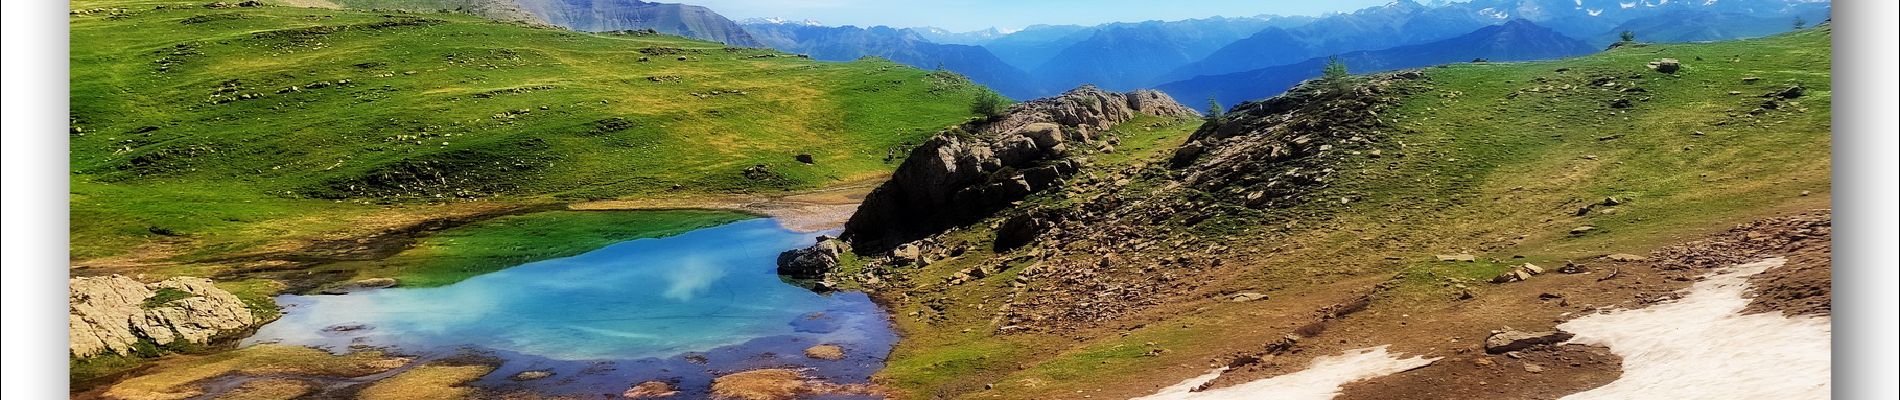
x=806 y=211
x=1456 y=331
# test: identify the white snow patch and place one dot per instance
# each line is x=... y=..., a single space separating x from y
x=1626 y=5
x=1319 y=381
x=1494 y=13
x=1702 y=347
x=1596 y=11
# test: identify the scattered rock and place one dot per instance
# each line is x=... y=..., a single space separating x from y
x=1582 y=230
x=532 y=375
x=650 y=390
x=1515 y=274
x=1791 y=92
x=805 y=158
x=1243 y=297
x=1461 y=257
x=1532 y=268
x=1533 y=368
x=348 y=328
x=1572 y=268
x=829 y=352
x=1509 y=340
x=1623 y=257
x=1666 y=65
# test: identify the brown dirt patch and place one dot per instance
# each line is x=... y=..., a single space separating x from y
x=805 y=211
x=1543 y=372
x=1420 y=323
x=1803 y=286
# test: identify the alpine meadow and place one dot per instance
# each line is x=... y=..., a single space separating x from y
x=568 y=199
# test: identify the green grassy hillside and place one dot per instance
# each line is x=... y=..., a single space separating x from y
x=228 y=128
x=1496 y=160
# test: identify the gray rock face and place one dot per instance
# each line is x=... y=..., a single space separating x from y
x=971 y=171
x=111 y=314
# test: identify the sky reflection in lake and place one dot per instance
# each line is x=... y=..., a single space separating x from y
x=643 y=298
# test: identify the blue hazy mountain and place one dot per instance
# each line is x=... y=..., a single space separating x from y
x=1127 y=56
x=1516 y=40
x=1697 y=26
x=845 y=43
x=1029 y=48
x=1597 y=22
x=1394 y=24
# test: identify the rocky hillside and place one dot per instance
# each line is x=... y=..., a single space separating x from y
x=1417 y=211
x=964 y=174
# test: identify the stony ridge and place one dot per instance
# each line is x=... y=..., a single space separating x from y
x=970 y=171
x=114 y=314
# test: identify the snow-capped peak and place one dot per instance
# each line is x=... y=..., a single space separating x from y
x=782 y=21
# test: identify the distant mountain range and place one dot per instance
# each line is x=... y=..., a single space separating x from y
x=1126 y=56
x=1045 y=59
x=1516 y=40
x=906 y=46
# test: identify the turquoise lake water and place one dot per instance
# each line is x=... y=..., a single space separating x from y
x=710 y=291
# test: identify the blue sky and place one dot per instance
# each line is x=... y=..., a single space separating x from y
x=967 y=15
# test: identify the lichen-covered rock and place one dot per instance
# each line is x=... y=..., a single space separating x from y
x=965 y=174
x=112 y=314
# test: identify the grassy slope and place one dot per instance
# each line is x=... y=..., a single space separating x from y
x=1480 y=172
x=439 y=107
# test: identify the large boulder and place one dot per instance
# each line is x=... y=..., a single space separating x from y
x=811 y=262
x=112 y=314
x=965 y=174
x=1509 y=340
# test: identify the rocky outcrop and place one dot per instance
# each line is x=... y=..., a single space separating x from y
x=1271 y=153
x=811 y=262
x=973 y=170
x=114 y=314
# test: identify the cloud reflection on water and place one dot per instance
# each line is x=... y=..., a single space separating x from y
x=642 y=298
